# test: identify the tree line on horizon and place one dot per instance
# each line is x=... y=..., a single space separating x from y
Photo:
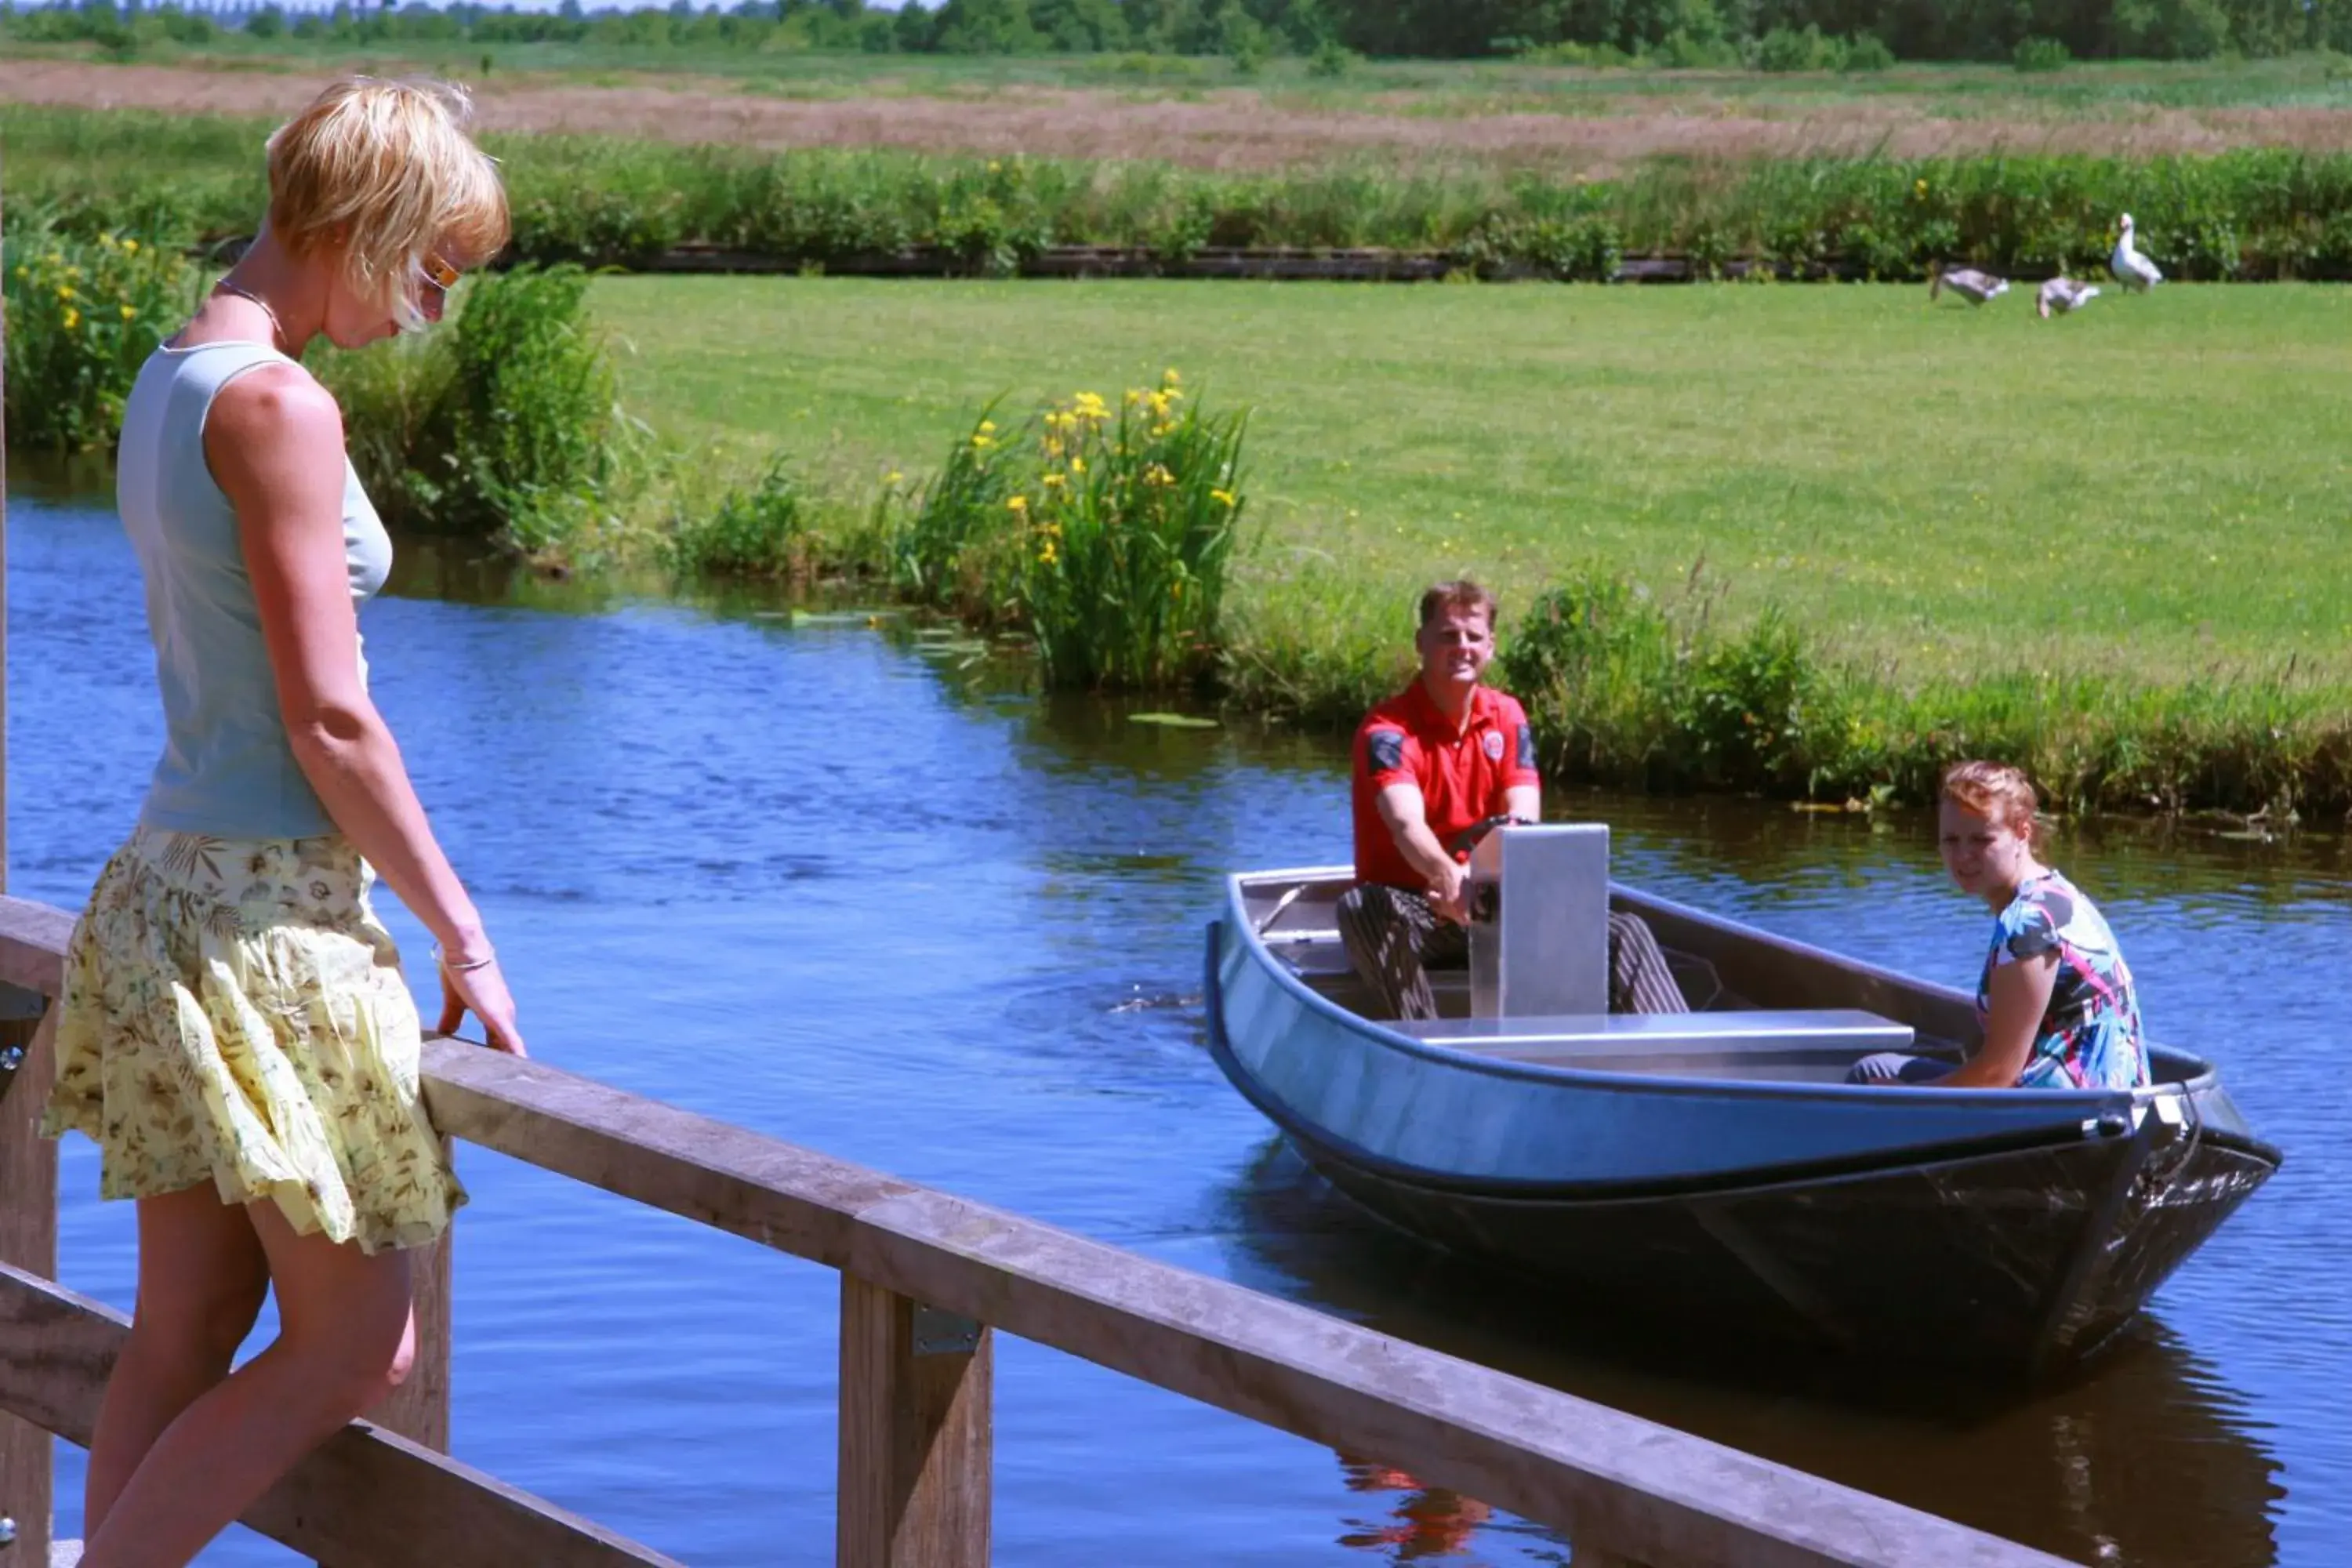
x=1783 y=35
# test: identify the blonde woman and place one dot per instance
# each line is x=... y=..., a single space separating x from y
x=2055 y=1000
x=236 y=1032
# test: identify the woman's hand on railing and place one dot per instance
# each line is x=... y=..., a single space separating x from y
x=480 y=988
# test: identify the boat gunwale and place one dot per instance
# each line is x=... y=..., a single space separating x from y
x=2087 y=1104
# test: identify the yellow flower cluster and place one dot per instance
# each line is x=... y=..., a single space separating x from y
x=81 y=290
x=1128 y=443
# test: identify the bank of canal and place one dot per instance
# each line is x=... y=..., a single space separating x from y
x=819 y=882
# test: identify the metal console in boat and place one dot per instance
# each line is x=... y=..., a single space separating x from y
x=1715 y=1163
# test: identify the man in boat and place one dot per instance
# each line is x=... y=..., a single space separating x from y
x=1431 y=763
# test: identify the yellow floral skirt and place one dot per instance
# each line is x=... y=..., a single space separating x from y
x=234 y=1013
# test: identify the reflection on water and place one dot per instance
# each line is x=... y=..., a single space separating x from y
x=858 y=889
x=1421 y=1522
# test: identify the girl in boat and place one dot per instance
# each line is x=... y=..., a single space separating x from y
x=2055 y=999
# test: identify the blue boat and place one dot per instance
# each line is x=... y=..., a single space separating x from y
x=1715 y=1165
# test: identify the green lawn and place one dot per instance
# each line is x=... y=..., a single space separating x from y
x=2157 y=487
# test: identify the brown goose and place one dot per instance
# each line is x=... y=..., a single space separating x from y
x=1969 y=284
x=2063 y=295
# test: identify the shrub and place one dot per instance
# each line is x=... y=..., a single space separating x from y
x=83 y=316
x=1682 y=49
x=764 y=531
x=1785 y=50
x=1332 y=60
x=2035 y=53
x=2170 y=29
x=1585 y=248
x=1596 y=661
x=501 y=426
x=1247 y=48
x=1868 y=52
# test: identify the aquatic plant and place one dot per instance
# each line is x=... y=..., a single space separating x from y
x=765 y=529
x=1106 y=532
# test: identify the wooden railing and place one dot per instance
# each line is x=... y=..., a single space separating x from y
x=926 y=1280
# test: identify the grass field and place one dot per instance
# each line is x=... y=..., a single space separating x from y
x=1199 y=111
x=1435 y=86
x=2154 y=490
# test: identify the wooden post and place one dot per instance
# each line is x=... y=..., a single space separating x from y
x=3 y=586
x=419 y=1409
x=916 y=1471
x=28 y=1239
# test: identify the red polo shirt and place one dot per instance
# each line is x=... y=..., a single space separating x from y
x=1461 y=776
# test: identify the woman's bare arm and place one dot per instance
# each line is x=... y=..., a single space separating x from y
x=2018 y=994
x=275 y=441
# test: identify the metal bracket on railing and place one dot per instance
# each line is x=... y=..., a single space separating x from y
x=941 y=1332
x=20 y=1009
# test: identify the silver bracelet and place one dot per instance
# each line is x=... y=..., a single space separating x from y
x=468 y=968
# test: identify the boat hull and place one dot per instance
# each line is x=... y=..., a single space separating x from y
x=2016 y=1262
x=2006 y=1229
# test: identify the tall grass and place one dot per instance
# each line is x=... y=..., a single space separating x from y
x=1628 y=688
x=2251 y=214
x=774 y=526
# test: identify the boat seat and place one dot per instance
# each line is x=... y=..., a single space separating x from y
x=1786 y=1045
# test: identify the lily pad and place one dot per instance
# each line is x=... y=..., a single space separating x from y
x=838 y=618
x=1174 y=720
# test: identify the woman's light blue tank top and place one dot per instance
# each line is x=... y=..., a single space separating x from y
x=227 y=768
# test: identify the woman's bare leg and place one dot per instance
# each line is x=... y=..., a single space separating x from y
x=346 y=1336
x=202 y=1278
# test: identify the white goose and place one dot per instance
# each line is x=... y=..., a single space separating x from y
x=1969 y=284
x=2064 y=295
x=2132 y=270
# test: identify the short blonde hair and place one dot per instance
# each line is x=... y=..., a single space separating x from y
x=387 y=170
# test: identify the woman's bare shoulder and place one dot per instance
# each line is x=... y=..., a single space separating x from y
x=274 y=403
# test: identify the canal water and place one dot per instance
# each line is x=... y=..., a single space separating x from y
x=849 y=890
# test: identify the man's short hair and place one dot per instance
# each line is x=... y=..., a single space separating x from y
x=1459 y=597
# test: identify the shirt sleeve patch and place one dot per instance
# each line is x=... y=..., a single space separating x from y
x=1384 y=752
x=2030 y=927
x=1527 y=753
